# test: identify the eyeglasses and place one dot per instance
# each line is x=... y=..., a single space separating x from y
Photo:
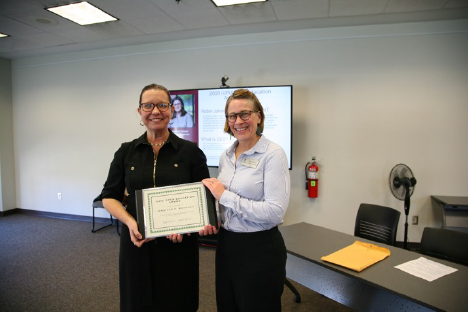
x=244 y=115
x=148 y=107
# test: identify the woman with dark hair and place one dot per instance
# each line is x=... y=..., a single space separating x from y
x=180 y=119
x=253 y=189
x=154 y=274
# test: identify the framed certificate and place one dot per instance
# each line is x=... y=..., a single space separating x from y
x=175 y=209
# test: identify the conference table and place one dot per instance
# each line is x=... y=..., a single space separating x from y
x=380 y=287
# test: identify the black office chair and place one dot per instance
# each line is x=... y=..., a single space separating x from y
x=445 y=244
x=377 y=223
x=97 y=203
x=297 y=296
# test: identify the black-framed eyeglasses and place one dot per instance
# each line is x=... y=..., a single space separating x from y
x=148 y=107
x=244 y=115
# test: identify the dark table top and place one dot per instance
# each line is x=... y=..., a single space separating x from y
x=448 y=293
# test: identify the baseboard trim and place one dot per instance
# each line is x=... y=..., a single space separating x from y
x=7 y=213
x=56 y=215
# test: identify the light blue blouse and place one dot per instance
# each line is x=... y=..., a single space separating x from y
x=257 y=187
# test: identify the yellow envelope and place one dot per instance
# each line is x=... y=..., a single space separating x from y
x=358 y=256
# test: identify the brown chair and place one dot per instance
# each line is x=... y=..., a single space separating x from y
x=377 y=223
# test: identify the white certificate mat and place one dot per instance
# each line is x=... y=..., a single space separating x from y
x=176 y=209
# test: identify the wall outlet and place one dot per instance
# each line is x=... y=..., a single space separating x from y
x=59 y=196
x=415 y=220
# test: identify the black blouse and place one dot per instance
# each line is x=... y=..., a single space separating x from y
x=178 y=161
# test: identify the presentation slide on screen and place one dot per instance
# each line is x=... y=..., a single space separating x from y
x=207 y=110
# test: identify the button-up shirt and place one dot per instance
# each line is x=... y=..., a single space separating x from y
x=257 y=187
x=134 y=167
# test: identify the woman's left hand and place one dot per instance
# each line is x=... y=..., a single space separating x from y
x=208 y=230
x=215 y=186
x=176 y=238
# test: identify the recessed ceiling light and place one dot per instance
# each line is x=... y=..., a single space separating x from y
x=3 y=35
x=233 y=2
x=82 y=13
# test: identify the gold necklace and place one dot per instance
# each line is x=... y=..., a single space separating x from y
x=158 y=144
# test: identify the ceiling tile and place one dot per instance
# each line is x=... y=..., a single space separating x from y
x=78 y=34
x=300 y=9
x=115 y=29
x=47 y=40
x=456 y=4
x=15 y=6
x=201 y=19
x=156 y=24
x=18 y=44
x=356 y=7
x=125 y=9
x=13 y=27
x=173 y=7
x=41 y=19
x=249 y=13
x=413 y=5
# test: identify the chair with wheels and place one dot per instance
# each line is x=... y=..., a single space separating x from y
x=377 y=223
x=445 y=244
x=97 y=203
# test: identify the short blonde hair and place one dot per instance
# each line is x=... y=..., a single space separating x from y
x=257 y=107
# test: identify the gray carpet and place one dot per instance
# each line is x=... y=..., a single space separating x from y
x=49 y=264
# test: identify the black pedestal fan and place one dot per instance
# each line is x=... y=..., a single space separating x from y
x=402 y=182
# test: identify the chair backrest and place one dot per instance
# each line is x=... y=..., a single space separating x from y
x=445 y=244
x=97 y=202
x=377 y=223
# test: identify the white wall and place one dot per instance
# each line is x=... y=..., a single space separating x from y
x=365 y=99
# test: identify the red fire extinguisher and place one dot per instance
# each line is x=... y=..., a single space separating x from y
x=311 y=172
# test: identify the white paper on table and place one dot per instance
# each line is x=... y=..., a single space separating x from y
x=426 y=269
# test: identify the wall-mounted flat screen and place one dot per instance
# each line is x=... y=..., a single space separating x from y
x=199 y=117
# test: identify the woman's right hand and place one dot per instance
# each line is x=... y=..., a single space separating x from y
x=135 y=235
x=116 y=209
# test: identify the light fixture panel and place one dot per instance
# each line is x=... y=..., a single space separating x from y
x=82 y=13
x=234 y=2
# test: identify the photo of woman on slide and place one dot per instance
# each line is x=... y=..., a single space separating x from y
x=180 y=119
